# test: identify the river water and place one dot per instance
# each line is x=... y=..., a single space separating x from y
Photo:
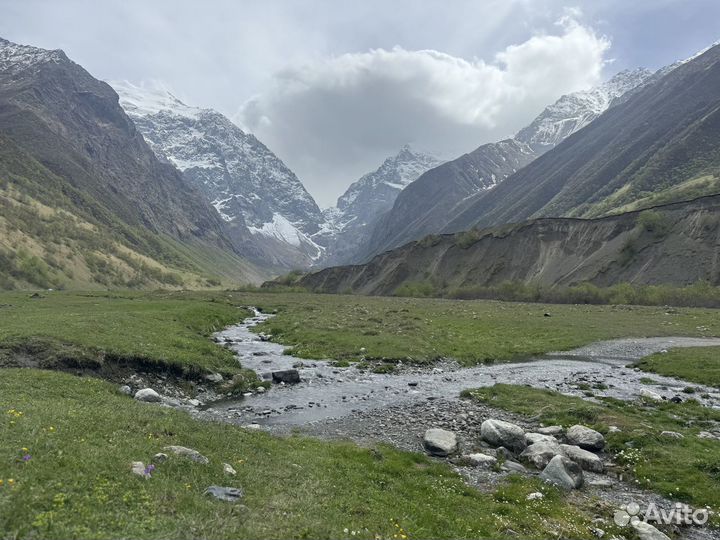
x=327 y=392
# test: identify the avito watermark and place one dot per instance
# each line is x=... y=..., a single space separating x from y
x=678 y=514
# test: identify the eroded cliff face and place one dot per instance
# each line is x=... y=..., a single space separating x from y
x=675 y=244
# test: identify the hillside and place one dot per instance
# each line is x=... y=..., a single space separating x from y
x=673 y=244
x=433 y=200
x=85 y=201
x=263 y=203
x=653 y=147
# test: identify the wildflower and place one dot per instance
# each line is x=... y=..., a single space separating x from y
x=25 y=450
x=26 y=458
x=1 y=482
x=149 y=470
x=11 y=482
x=51 y=429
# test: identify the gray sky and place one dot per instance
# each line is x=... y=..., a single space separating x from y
x=335 y=86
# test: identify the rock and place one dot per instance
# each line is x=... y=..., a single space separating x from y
x=229 y=494
x=708 y=435
x=501 y=433
x=148 y=395
x=532 y=438
x=649 y=394
x=125 y=389
x=551 y=430
x=480 y=460
x=540 y=453
x=534 y=496
x=287 y=376
x=227 y=469
x=564 y=473
x=646 y=531
x=614 y=429
x=194 y=402
x=513 y=466
x=587 y=460
x=160 y=457
x=214 y=377
x=412 y=383
x=602 y=483
x=260 y=389
x=189 y=453
x=138 y=467
x=440 y=442
x=672 y=435
x=585 y=438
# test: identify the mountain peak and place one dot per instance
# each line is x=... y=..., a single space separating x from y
x=14 y=56
x=148 y=99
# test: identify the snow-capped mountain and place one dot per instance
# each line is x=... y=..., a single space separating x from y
x=357 y=210
x=430 y=204
x=573 y=112
x=251 y=188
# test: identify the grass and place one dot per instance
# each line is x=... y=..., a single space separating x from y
x=163 y=330
x=425 y=329
x=82 y=435
x=697 y=364
x=685 y=469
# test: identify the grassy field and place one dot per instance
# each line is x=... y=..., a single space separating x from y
x=473 y=331
x=66 y=444
x=697 y=364
x=169 y=330
x=686 y=469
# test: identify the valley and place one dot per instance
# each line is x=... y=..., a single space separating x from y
x=280 y=272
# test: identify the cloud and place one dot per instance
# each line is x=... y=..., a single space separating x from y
x=334 y=119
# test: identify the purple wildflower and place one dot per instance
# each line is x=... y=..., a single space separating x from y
x=149 y=470
x=27 y=457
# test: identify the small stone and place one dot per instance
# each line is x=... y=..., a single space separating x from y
x=587 y=460
x=214 y=377
x=564 y=473
x=585 y=438
x=513 y=466
x=287 y=376
x=649 y=394
x=672 y=435
x=125 y=389
x=501 y=433
x=194 y=402
x=148 y=395
x=540 y=453
x=480 y=460
x=229 y=494
x=227 y=469
x=138 y=467
x=602 y=483
x=646 y=531
x=412 y=383
x=532 y=438
x=160 y=457
x=534 y=496
x=188 y=453
x=551 y=430
x=260 y=390
x=440 y=442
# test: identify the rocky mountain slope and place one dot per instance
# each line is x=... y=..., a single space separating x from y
x=85 y=201
x=430 y=203
x=674 y=244
x=264 y=203
x=660 y=144
x=357 y=210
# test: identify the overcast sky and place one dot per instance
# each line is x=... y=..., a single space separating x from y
x=335 y=86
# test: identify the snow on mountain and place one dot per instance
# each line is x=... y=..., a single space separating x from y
x=15 y=57
x=367 y=199
x=574 y=111
x=248 y=184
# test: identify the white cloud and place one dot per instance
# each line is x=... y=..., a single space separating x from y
x=333 y=119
